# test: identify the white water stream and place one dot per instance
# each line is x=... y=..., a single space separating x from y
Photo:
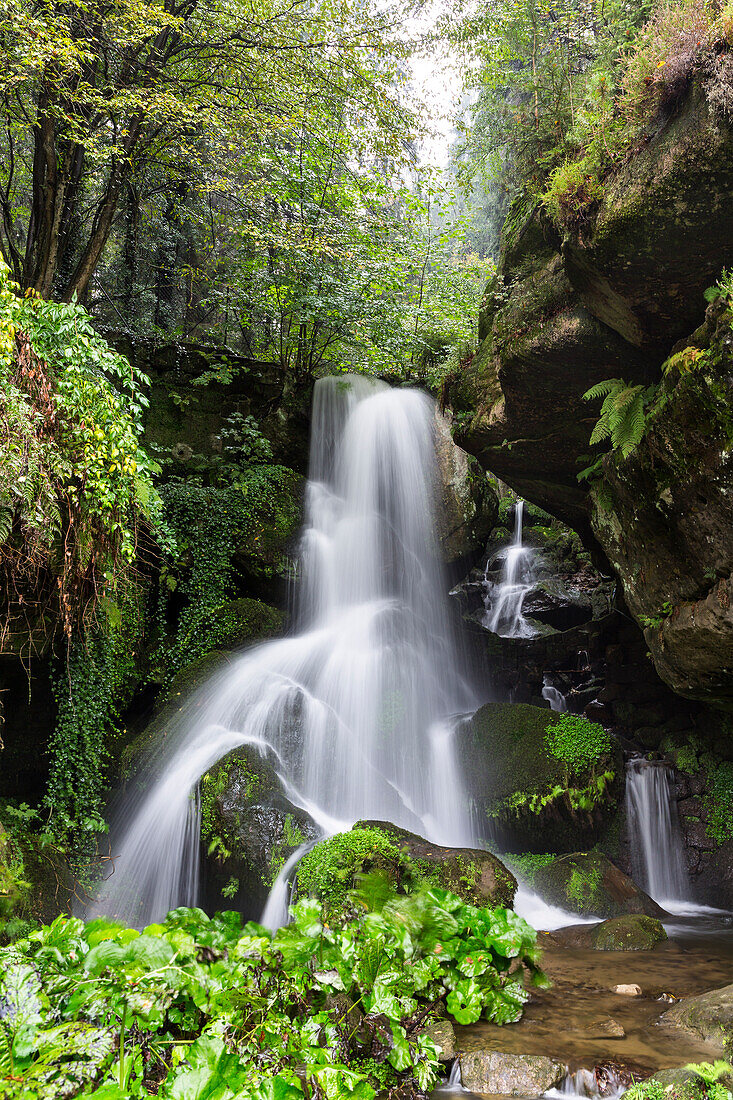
x=654 y=831
x=554 y=696
x=356 y=707
x=504 y=601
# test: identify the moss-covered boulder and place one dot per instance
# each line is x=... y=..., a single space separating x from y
x=406 y=860
x=249 y=828
x=588 y=883
x=634 y=932
x=545 y=781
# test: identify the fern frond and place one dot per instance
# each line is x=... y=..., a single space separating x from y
x=601 y=431
x=6 y=524
x=601 y=389
x=631 y=427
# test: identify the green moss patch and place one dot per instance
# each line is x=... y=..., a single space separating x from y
x=549 y=774
x=407 y=861
x=333 y=867
x=630 y=933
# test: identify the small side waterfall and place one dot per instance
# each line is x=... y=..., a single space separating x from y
x=554 y=697
x=276 y=912
x=656 y=840
x=356 y=708
x=584 y=1083
x=504 y=600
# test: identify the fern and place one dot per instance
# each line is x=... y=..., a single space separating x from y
x=623 y=413
x=601 y=389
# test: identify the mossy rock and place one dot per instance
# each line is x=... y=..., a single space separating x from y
x=129 y=754
x=193 y=676
x=407 y=860
x=249 y=828
x=242 y=622
x=633 y=932
x=708 y=1016
x=505 y=755
x=588 y=883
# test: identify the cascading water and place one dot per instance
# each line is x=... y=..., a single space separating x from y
x=504 y=601
x=554 y=696
x=656 y=841
x=584 y=1084
x=356 y=708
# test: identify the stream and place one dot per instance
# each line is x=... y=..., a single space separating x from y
x=559 y=1022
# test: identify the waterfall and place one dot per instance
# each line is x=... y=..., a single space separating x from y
x=656 y=840
x=584 y=1083
x=504 y=600
x=356 y=708
x=554 y=697
x=277 y=909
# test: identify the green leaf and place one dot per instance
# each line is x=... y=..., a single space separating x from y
x=106 y=953
x=465 y=1002
x=153 y=951
x=210 y=1073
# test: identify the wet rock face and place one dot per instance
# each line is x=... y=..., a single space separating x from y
x=588 y=883
x=507 y=764
x=249 y=828
x=502 y=1074
x=567 y=313
x=467 y=505
x=664 y=516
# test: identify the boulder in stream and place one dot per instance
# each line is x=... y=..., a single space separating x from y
x=503 y=1074
x=634 y=932
x=407 y=860
x=589 y=884
x=708 y=1016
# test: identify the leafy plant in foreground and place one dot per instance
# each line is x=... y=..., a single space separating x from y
x=200 y=1008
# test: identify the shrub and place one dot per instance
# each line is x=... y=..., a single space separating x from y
x=75 y=482
x=580 y=744
x=573 y=189
x=665 y=57
x=197 y=1007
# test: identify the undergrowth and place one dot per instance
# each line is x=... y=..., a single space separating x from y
x=682 y=42
x=196 y=1007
